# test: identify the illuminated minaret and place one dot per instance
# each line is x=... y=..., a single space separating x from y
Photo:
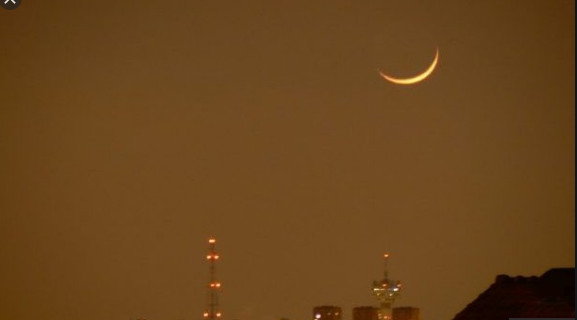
x=386 y=291
x=212 y=312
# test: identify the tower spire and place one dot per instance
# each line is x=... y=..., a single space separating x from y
x=386 y=273
x=212 y=310
x=386 y=291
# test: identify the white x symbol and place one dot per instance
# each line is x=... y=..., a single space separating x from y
x=5 y=2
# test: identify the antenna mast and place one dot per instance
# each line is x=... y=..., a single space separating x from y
x=386 y=291
x=212 y=311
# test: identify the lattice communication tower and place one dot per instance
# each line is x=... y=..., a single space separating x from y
x=212 y=310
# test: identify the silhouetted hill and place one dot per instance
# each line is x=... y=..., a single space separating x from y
x=550 y=295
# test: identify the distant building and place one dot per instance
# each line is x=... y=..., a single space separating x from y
x=552 y=295
x=386 y=291
x=365 y=313
x=406 y=313
x=327 y=313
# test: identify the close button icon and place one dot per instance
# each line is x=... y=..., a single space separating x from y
x=10 y=4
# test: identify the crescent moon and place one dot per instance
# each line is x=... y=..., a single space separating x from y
x=418 y=78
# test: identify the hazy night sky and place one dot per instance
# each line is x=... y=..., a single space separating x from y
x=132 y=131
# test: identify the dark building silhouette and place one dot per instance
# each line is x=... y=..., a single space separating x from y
x=365 y=313
x=406 y=313
x=551 y=295
x=327 y=313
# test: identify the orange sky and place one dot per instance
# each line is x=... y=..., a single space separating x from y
x=130 y=132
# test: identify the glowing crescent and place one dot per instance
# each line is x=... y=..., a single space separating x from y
x=415 y=79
